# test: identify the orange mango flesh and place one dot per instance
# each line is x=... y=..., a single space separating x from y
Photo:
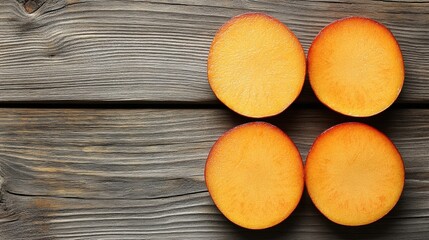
x=256 y=65
x=355 y=67
x=255 y=176
x=354 y=174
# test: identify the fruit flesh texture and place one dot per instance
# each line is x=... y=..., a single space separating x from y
x=355 y=67
x=256 y=65
x=354 y=174
x=255 y=176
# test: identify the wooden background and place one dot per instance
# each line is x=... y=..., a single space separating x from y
x=107 y=118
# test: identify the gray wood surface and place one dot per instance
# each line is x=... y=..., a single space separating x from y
x=155 y=51
x=138 y=174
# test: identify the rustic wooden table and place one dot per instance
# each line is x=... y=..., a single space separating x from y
x=107 y=118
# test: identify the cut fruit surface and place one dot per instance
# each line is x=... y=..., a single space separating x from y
x=354 y=174
x=256 y=65
x=355 y=67
x=254 y=174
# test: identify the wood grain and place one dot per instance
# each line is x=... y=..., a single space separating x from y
x=155 y=51
x=138 y=174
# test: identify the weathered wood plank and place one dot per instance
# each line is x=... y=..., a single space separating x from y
x=138 y=174
x=155 y=51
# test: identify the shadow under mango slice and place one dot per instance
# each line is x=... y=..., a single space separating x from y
x=355 y=67
x=256 y=65
x=254 y=174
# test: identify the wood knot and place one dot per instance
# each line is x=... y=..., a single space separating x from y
x=31 y=6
